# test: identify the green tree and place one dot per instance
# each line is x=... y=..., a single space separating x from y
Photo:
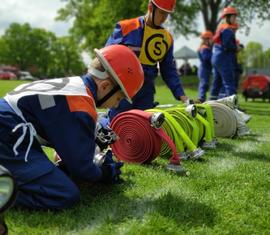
x=40 y=51
x=3 y=51
x=27 y=48
x=66 y=58
x=210 y=11
x=18 y=45
x=253 y=55
x=267 y=58
x=94 y=19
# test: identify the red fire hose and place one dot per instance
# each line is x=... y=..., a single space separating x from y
x=139 y=141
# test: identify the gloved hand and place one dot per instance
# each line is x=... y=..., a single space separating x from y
x=104 y=134
x=110 y=169
x=104 y=121
x=108 y=157
x=111 y=172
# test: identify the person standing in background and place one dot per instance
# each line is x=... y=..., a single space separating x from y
x=224 y=55
x=153 y=44
x=205 y=67
x=238 y=70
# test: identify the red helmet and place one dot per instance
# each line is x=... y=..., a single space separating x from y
x=165 y=5
x=206 y=35
x=229 y=11
x=123 y=66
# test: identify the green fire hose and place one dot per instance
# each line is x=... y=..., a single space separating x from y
x=184 y=130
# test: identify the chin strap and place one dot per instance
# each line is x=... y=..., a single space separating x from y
x=108 y=96
x=153 y=15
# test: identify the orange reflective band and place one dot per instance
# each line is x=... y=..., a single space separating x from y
x=83 y=104
x=129 y=25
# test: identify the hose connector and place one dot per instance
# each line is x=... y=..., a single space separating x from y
x=191 y=110
x=157 y=120
x=99 y=159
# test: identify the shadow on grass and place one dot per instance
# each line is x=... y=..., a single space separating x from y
x=102 y=204
x=251 y=156
x=223 y=146
x=181 y=211
x=259 y=112
x=257 y=108
x=184 y=211
x=258 y=155
x=250 y=137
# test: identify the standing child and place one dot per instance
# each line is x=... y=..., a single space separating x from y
x=153 y=45
x=205 y=68
x=224 y=54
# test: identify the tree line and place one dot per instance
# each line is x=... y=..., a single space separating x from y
x=254 y=56
x=44 y=54
x=40 y=52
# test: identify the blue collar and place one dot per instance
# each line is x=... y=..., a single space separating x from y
x=89 y=82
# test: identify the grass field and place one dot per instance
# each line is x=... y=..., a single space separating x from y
x=228 y=193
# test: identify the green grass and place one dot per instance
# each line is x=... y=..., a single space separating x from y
x=228 y=193
x=6 y=86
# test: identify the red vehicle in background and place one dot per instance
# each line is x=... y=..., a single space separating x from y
x=257 y=86
x=4 y=75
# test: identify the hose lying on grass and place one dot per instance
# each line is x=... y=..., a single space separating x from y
x=175 y=132
x=229 y=121
x=188 y=127
x=140 y=139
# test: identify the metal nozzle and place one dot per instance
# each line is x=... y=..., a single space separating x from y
x=197 y=153
x=184 y=156
x=157 y=120
x=99 y=159
x=209 y=145
x=191 y=110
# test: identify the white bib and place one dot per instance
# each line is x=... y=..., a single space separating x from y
x=69 y=86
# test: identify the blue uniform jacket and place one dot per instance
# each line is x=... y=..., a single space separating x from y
x=225 y=46
x=68 y=126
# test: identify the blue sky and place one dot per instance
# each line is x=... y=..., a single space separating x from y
x=42 y=13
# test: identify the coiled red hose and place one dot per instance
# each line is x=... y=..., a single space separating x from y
x=139 y=142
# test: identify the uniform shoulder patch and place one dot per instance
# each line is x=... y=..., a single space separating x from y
x=82 y=104
x=129 y=25
x=46 y=101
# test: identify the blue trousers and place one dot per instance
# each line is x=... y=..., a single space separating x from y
x=204 y=77
x=41 y=185
x=224 y=75
x=237 y=75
